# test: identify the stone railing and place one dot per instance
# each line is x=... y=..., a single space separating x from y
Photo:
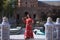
x=4 y=29
x=52 y=29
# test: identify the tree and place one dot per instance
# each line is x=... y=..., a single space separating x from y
x=1 y=5
x=5 y=7
x=12 y=7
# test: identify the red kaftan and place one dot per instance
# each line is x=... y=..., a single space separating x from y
x=28 y=29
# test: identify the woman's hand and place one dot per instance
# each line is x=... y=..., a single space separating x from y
x=24 y=19
x=32 y=22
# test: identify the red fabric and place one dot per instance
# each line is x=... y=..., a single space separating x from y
x=28 y=29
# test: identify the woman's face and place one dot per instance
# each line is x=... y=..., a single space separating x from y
x=28 y=15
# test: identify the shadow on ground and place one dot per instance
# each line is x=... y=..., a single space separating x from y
x=16 y=39
x=27 y=39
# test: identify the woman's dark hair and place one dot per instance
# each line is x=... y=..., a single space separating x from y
x=29 y=15
x=26 y=13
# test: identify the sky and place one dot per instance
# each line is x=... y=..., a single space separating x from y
x=52 y=2
x=48 y=0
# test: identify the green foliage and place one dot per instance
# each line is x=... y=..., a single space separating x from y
x=1 y=3
x=8 y=6
x=11 y=7
x=5 y=4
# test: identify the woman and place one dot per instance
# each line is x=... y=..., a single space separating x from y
x=28 y=30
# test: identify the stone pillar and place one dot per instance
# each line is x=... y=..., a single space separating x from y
x=5 y=29
x=57 y=25
x=49 y=29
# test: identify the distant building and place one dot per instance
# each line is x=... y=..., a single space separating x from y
x=37 y=9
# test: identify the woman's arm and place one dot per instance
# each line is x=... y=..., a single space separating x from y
x=24 y=20
x=32 y=21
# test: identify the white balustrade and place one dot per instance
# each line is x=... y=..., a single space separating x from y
x=52 y=29
x=49 y=29
x=57 y=25
x=4 y=29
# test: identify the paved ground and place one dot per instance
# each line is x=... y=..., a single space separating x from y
x=28 y=39
x=21 y=36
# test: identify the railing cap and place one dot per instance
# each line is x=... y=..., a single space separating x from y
x=58 y=21
x=49 y=21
